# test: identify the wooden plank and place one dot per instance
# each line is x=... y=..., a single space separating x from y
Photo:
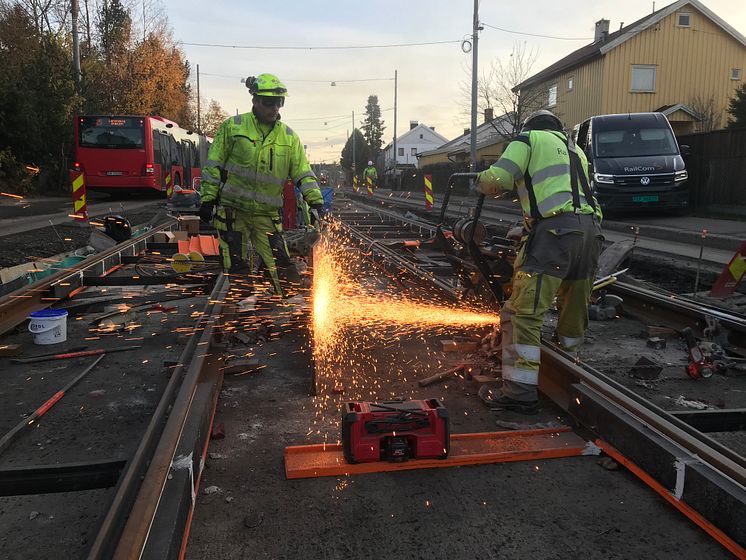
x=312 y=461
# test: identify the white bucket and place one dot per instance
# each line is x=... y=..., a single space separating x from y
x=48 y=326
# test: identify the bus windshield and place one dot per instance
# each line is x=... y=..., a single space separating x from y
x=111 y=132
x=635 y=142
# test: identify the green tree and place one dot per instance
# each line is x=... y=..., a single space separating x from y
x=37 y=101
x=362 y=152
x=373 y=126
x=737 y=108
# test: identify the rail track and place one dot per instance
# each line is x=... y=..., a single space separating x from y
x=109 y=467
x=670 y=450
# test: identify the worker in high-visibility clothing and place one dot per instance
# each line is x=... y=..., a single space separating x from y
x=558 y=257
x=250 y=159
x=371 y=172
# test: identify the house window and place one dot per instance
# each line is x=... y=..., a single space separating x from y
x=414 y=151
x=552 y=100
x=400 y=151
x=683 y=20
x=735 y=73
x=643 y=78
x=420 y=136
x=570 y=83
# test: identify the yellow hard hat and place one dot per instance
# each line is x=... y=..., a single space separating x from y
x=266 y=85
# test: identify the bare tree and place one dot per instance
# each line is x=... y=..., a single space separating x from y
x=213 y=118
x=495 y=90
x=709 y=112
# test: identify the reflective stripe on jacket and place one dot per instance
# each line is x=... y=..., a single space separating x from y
x=538 y=163
x=256 y=165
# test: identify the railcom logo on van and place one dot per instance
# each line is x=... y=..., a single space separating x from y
x=642 y=169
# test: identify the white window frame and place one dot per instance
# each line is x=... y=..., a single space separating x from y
x=652 y=67
x=413 y=152
x=735 y=74
x=552 y=93
x=678 y=19
x=570 y=83
x=401 y=152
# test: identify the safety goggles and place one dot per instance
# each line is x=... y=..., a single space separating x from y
x=271 y=101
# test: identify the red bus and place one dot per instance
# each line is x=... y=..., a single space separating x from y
x=126 y=152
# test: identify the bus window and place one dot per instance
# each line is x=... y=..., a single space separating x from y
x=157 y=151
x=111 y=132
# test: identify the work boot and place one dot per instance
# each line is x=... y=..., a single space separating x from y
x=495 y=400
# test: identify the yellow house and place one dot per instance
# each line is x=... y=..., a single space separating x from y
x=682 y=60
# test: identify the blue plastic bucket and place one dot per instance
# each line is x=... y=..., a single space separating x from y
x=48 y=326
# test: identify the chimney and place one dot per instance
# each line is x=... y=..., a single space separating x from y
x=467 y=131
x=602 y=30
x=489 y=114
x=432 y=128
x=413 y=124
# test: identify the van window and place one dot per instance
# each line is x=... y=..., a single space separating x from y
x=633 y=142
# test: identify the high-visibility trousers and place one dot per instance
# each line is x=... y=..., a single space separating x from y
x=558 y=259
x=264 y=233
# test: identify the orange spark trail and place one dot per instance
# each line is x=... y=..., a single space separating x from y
x=349 y=319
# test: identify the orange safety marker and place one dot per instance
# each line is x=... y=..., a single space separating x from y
x=80 y=210
x=355 y=186
x=428 y=192
x=732 y=274
x=311 y=461
x=369 y=184
x=737 y=550
x=206 y=245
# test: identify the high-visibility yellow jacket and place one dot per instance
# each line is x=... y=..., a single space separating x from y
x=538 y=163
x=255 y=166
x=370 y=172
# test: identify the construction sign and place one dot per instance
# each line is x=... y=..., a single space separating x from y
x=80 y=210
x=169 y=186
x=428 y=192
x=732 y=274
x=355 y=186
x=369 y=184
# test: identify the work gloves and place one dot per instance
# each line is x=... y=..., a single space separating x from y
x=318 y=213
x=487 y=183
x=206 y=211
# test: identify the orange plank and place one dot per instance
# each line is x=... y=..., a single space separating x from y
x=732 y=546
x=183 y=245
x=311 y=461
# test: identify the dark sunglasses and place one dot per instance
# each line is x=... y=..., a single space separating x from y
x=272 y=101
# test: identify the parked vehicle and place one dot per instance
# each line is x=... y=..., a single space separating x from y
x=635 y=161
x=136 y=153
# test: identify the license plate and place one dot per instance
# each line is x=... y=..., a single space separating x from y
x=115 y=173
x=649 y=198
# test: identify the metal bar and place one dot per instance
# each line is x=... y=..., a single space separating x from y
x=8 y=438
x=108 y=536
x=69 y=477
x=147 y=280
x=726 y=420
x=135 y=534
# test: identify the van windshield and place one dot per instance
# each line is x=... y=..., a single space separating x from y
x=634 y=142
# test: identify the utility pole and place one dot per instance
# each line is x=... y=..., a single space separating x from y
x=474 y=82
x=353 y=146
x=396 y=154
x=199 y=124
x=76 y=43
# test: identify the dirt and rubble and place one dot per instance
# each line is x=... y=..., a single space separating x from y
x=561 y=508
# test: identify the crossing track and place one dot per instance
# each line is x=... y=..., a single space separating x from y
x=138 y=498
x=700 y=476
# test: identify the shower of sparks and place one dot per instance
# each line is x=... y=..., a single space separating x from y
x=352 y=322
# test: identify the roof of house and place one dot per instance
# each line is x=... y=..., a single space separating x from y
x=671 y=109
x=613 y=40
x=488 y=133
x=420 y=126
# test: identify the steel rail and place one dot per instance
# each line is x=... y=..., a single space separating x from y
x=15 y=306
x=109 y=538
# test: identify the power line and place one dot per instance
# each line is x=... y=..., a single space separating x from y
x=318 y=48
x=536 y=34
x=310 y=81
